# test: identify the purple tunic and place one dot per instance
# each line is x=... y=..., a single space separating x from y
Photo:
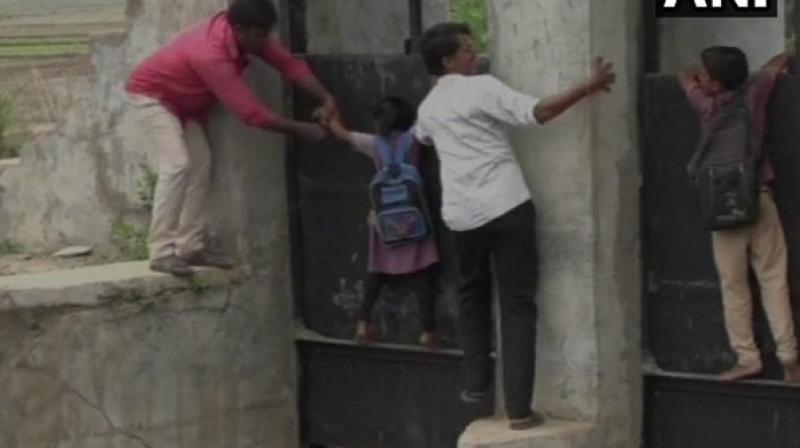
x=383 y=259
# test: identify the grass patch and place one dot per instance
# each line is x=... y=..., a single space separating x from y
x=8 y=247
x=476 y=15
x=199 y=287
x=8 y=149
x=131 y=242
x=146 y=190
x=38 y=41
x=44 y=50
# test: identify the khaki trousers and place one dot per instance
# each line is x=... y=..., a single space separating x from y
x=184 y=160
x=761 y=245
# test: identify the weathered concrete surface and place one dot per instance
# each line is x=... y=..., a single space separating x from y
x=151 y=366
x=76 y=183
x=583 y=173
x=681 y=40
x=175 y=367
x=494 y=433
x=97 y=285
x=365 y=26
x=141 y=360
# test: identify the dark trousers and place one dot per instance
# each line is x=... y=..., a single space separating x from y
x=510 y=242
x=425 y=282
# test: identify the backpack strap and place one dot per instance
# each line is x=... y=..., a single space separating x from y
x=385 y=152
x=405 y=146
x=402 y=153
x=737 y=105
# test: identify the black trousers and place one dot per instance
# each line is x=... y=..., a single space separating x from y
x=426 y=283
x=510 y=242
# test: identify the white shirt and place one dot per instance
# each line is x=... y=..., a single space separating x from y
x=467 y=119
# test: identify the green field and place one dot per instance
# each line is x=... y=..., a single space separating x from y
x=43 y=48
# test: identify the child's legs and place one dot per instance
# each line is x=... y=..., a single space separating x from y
x=516 y=265
x=372 y=291
x=731 y=258
x=473 y=249
x=428 y=281
x=165 y=135
x=192 y=226
x=768 y=255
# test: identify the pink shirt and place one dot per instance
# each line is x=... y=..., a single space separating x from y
x=204 y=63
x=759 y=89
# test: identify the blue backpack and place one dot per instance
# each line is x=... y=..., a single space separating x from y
x=398 y=197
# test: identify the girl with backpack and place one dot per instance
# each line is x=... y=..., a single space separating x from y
x=401 y=241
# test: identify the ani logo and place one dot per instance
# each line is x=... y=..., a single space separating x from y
x=716 y=8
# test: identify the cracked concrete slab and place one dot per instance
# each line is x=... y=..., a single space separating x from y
x=495 y=433
x=97 y=285
x=189 y=368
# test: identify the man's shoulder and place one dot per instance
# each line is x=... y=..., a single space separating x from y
x=761 y=78
x=463 y=86
x=209 y=33
x=478 y=83
x=429 y=102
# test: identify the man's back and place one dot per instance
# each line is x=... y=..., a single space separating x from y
x=467 y=119
x=203 y=64
x=757 y=94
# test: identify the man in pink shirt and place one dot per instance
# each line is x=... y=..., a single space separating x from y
x=172 y=93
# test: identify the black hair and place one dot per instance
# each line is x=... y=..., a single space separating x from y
x=254 y=13
x=394 y=113
x=441 y=41
x=728 y=65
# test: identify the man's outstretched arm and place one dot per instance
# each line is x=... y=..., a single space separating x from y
x=297 y=71
x=602 y=78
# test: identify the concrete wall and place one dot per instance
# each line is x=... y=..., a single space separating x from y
x=365 y=26
x=76 y=183
x=168 y=370
x=583 y=172
x=681 y=40
x=179 y=367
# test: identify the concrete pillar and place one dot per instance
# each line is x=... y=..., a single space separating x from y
x=365 y=26
x=681 y=39
x=583 y=172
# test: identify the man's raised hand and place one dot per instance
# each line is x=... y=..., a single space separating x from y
x=603 y=76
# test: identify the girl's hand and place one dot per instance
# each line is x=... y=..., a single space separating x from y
x=311 y=132
x=319 y=116
x=330 y=110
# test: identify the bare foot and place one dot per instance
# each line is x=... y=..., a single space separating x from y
x=740 y=372
x=791 y=373
x=430 y=341
x=365 y=332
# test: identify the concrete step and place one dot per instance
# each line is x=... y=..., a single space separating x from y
x=97 y=285
x=495 y=433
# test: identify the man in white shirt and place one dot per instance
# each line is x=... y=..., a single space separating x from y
x=487 y=205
